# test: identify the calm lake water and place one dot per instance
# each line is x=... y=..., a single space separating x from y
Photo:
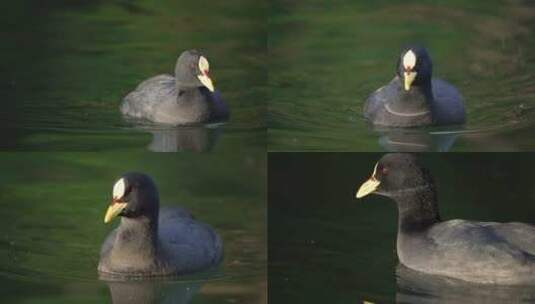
x=325 y=58
x=325 y=246
x=66 y=65
x=52 y=208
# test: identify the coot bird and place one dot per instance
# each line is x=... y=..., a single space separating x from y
x=413 y=98
x=187 y=98
x=479 y=252
x=154 y=241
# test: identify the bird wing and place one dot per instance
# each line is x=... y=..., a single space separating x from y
x=519 y=235
x=169 y=213
x=480 y=250
x=481 y=238
x=448 y=107
x=177 y=228
x=148 y=95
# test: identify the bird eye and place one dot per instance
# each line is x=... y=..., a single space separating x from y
x=382 y=169
x=128 y=190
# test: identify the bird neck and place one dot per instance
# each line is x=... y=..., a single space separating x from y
x=184 y=86
x=184 y=81
x=414 y=102
x=188 y=96
x=417 y=208
x=137 y=236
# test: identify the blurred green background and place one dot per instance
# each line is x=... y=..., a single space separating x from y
x=326 y=57
x=52 y=208
x=67 y=64
x=325 y=246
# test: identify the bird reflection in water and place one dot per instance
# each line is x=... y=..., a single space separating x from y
x=419 y=288
x=192 y=139
x=152 y=291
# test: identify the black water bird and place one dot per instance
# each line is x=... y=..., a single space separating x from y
x=187 y=98
x=479 y=252
x=154 y=241
x=414 y=98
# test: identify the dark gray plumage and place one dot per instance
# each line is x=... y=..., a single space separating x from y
x=186 y=98
x=480 y=252
x=413 y=98
x=153 y=241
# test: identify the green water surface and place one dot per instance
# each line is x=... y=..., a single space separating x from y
x=326 y=57
x=325 y=246
x=52 y=210
x=66 y=65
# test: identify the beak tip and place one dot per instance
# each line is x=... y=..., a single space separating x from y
x=408 y=79
x=113 y=210
x=369 y=187
x=206 y=82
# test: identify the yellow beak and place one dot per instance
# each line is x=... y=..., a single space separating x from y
x=409 y=79
x=369 y=186
x=113 y=210
x=207 y=82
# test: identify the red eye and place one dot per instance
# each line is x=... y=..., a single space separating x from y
x=382 y=169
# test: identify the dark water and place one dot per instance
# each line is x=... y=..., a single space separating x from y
x=66 y=65
x=325 y=246
x=52 y=207
x=327 y=57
